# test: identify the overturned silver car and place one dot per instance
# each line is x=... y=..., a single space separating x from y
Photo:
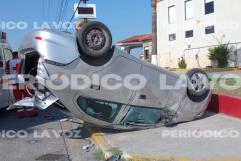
x=105 y=86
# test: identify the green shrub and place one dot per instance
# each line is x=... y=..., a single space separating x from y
x=219 y=54
x=182 y=63
x=99 y=155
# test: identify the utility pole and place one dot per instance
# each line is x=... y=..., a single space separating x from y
x=154 y=31
x=84 y=1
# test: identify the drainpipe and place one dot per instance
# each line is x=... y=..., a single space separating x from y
x=154 y=32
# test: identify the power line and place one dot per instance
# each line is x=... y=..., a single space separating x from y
x=63 y=4
x=57 y=10
x=43 y=6
x=48 y=10
x=71 y=19
x=64 y=10
x=60 y=10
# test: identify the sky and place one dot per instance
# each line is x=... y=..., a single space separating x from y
x=123 y=17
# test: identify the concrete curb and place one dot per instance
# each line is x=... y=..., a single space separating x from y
x=226 y=104
x=99 y=138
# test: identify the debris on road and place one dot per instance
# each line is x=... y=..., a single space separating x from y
x=88 y=146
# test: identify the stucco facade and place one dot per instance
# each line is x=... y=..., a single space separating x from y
x=226 y=20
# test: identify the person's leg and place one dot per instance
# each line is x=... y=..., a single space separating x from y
x=18 y=96
x=17 y=92
x=32 y=111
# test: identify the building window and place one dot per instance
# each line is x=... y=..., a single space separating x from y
x=209 y=30
x=189 y=34
x=171 y=14
x=209 y=6
x=188 y=9
x=147 y=55
x=172 y=37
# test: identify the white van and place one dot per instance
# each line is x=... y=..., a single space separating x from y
x=6 y=96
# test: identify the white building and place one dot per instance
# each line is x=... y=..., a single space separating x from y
x=187 y=28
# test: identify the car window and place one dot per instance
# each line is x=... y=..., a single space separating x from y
x=103 y=110
x=142 y=115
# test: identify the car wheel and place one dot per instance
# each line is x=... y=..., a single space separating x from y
x=198 y=85
x=94 y=39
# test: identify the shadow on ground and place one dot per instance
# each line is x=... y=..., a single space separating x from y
x=10 y=121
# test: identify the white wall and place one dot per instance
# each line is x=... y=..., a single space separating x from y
x=227 y=21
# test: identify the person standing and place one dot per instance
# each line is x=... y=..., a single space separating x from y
x=12 y=70
x=19 y=89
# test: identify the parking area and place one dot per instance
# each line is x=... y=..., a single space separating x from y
x=51 y=138
x=44 y=138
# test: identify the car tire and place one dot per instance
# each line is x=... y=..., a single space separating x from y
x=198 y=85
x=94 y=39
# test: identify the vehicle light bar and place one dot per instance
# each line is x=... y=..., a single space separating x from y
x=38 y=38
x=4 y=36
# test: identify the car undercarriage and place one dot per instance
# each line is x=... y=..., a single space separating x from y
x=53 y=58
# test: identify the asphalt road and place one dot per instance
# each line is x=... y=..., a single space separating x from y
x=50 y=139
x=44 y=138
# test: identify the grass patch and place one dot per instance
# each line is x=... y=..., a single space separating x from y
x=232 y=85
x=231 y=81
x=99 y=155
x=116 y=151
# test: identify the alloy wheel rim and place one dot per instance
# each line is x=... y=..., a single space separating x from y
x=199 y=83
x=95 y=39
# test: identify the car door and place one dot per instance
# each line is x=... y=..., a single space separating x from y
x=158 y=92
x=5 y=55
x=122 y=67
x=111 y=103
